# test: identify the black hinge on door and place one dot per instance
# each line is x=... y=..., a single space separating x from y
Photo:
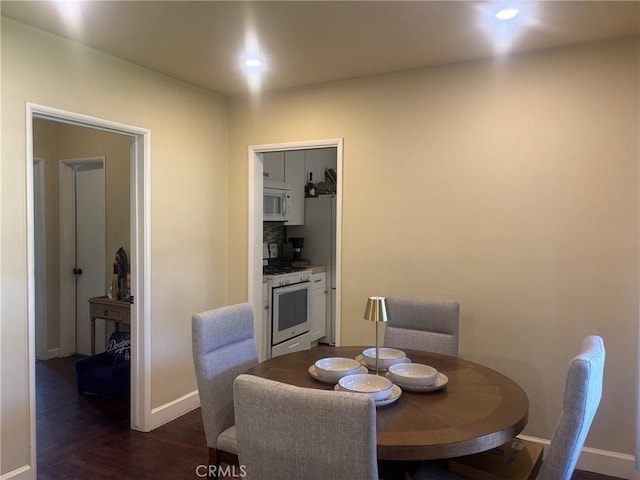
x=131 y=299
x=77 y=271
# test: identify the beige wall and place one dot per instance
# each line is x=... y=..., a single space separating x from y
x=510 y=186
x=53 y=142
x=189 y=134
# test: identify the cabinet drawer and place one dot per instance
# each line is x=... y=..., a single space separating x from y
x=294 y=345
x=109 y=313
x=318 y=280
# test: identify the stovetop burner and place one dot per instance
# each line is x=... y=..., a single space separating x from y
x=280 y=269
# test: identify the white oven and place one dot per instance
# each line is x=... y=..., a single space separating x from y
x=289 y=299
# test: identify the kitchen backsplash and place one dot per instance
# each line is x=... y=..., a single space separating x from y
x=274 y=232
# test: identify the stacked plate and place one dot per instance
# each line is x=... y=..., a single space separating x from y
x=381 y=389
x=416 y=377
x=332 y=369
x=386 y=358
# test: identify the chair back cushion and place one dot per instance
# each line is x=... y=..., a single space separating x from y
x=119 y=347
x=290 y=432
x=582 y=394
x=421 y=324
x=223 y=347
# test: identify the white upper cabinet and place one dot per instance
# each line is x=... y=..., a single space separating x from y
x=294 y=168
x=318 y=160
x=274 y=166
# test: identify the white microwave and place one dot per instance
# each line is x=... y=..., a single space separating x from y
x=276 y=201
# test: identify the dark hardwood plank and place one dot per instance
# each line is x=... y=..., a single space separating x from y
x=80 y=437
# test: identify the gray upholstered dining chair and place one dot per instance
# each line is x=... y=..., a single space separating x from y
x=583 y=390
x=422 y=324
x=223 y=347
x=294 y=433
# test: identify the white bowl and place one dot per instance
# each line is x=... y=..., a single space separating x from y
x=413 y=374
x=386 y=357
x=378 y=387
x=334 y=368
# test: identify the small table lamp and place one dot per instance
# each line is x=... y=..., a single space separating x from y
x=376 y=311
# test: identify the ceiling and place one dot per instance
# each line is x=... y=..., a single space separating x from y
x=307 y=42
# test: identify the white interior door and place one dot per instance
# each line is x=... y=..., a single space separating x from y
x=90 y=253
x=82 y=252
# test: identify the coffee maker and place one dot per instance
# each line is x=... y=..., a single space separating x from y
x=297 y=243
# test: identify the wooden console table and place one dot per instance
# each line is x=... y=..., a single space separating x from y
x=110 y=310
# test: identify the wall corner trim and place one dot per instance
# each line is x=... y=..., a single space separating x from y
x=176 y=408
x=18 y=473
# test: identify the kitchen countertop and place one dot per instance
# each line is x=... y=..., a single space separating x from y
x=313 y=268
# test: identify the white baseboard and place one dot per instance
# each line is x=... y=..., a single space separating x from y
x=174 y=409
x=22 y=472
x=614 y=464
x=48 y=355
x=159 y=416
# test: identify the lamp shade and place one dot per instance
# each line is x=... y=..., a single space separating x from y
x=376 y=309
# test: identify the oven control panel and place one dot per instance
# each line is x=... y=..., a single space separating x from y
x=290 y=279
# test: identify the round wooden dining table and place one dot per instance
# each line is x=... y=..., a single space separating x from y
x=477 y=410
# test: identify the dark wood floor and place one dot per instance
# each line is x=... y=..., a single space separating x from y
x=80 y=437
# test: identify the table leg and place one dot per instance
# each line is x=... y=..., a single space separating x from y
x=93 y=335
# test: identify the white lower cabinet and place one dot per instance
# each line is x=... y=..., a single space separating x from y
x=318 y=311
x=266 y=323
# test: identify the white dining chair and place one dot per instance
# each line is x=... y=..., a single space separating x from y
x=583 y=390
x=294 y=433
x=223 y=347
x=422 y=324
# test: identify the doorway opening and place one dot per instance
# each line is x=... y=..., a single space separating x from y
x=139 y=228
x=255 y=240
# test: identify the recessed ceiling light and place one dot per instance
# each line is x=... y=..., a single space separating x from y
x=253 y=62
x=507 y=13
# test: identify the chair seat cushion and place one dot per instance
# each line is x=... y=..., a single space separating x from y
x=99 y=374
x=228 y=441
